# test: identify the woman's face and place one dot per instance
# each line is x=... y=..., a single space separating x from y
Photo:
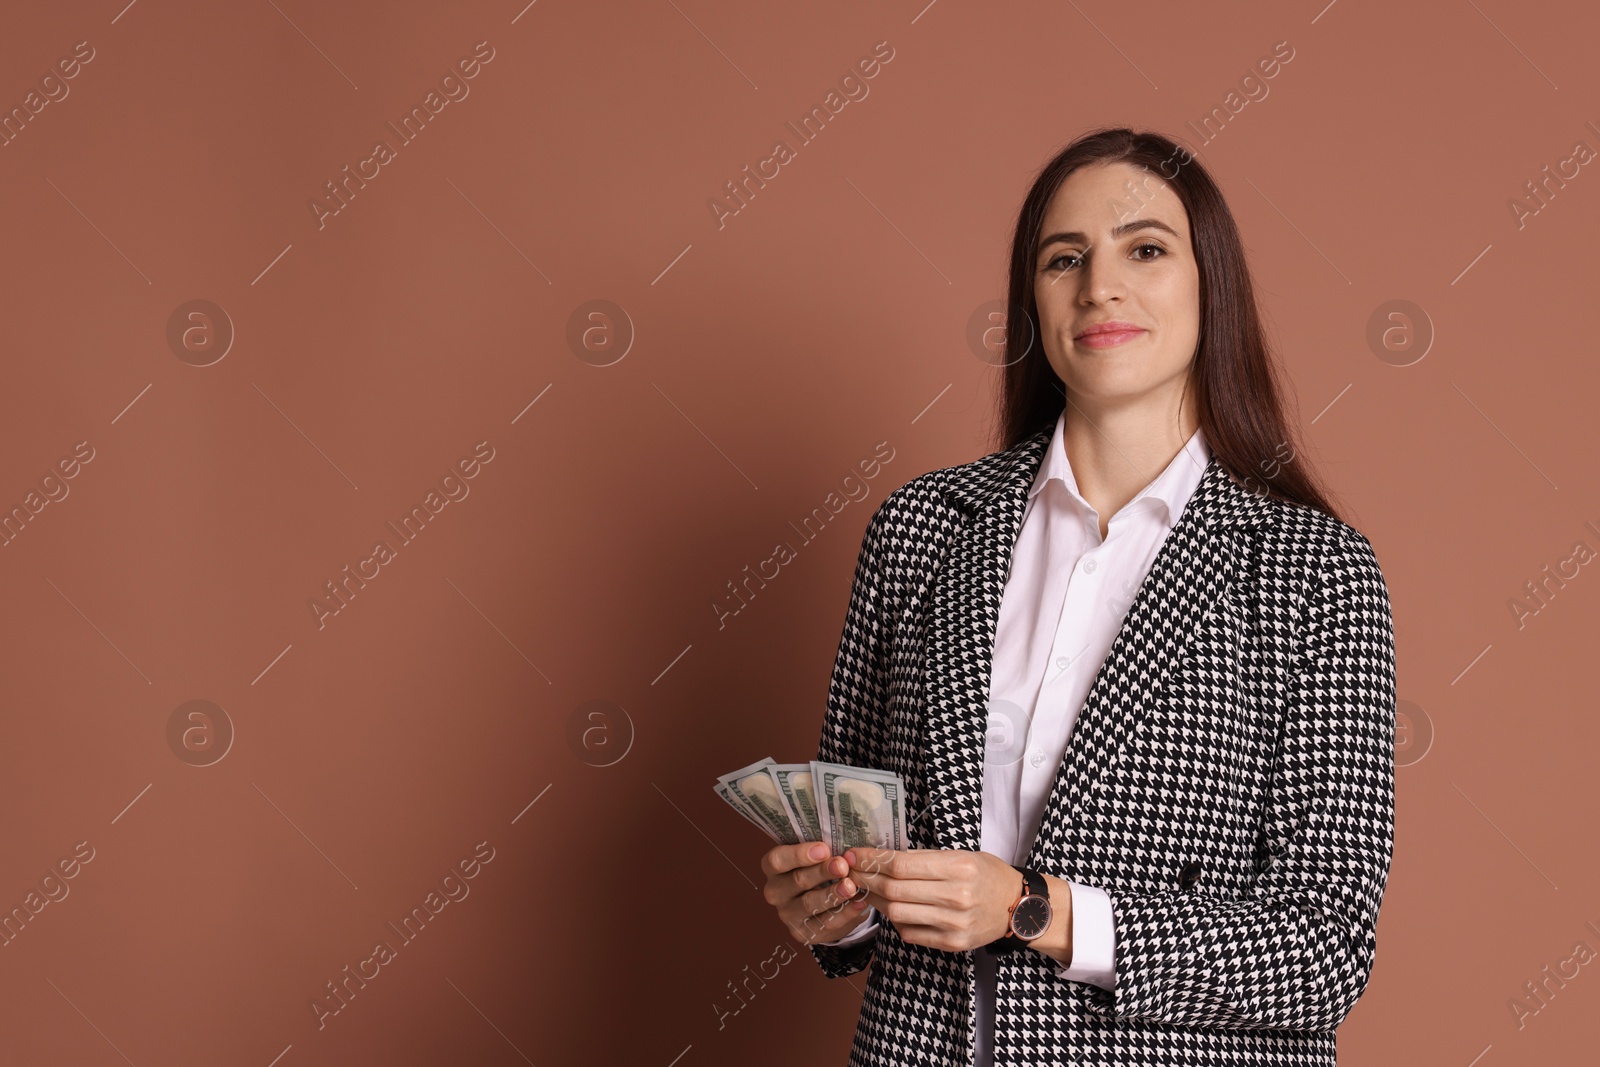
x=1115 y=248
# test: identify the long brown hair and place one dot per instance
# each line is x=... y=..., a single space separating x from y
x=1236 y=387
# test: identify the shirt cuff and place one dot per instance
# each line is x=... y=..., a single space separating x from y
x=1094 y=939
x=860 y=933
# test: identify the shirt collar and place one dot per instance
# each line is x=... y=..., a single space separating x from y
x=1171 y=488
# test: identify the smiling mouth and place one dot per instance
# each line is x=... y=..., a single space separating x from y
x=1110 y=338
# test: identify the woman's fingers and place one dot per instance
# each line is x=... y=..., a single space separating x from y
x=781 y=859
x=790 y=871
x=793 y=867
x=912 y=914
x=827 y=897
x=812 y=919
x=812 y=895
x=825 y=871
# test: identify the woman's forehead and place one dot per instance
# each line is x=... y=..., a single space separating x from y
x=1095 y=199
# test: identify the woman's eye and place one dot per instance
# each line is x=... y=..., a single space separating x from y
x=1060 y=263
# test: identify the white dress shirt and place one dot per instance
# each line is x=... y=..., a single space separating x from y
x=1062 y=608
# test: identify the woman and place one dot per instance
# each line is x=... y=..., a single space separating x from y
x=1137 y=675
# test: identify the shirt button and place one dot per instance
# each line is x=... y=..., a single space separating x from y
x=1089 y=566
x=1063 y=662
x=1037 y=758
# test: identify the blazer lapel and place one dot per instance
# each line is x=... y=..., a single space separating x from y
x=1194 y=567
x=991 y=494
x=1192 y=571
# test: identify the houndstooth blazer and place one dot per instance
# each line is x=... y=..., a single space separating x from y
x=1229 y=781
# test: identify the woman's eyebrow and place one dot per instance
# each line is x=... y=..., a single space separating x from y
x=1075 y=237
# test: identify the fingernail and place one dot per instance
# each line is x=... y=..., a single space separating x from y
x=818 y=851
x=860 y=905
x=847 y=888
x=850 y=857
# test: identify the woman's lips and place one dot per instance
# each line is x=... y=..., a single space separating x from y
x=1109 y=338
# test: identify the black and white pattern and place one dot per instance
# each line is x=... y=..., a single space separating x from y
x=1229 y=782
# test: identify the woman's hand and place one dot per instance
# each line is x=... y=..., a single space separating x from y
x=798 y=885
x=948 y=899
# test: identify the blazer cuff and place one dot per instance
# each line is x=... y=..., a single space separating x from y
x=849 y=954
x=1094 y=938
x=860 y=933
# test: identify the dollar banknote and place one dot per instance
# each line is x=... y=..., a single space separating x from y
x=727 y=794
x=794 y=782
x=859 y=806
x=756 y=788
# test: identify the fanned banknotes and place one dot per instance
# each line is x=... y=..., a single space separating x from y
x=755 y=789
x=840 y=805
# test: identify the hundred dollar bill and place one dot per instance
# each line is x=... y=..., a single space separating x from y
x=756 y=788
x=726 y=794
x=794 y=784
x=859 y=806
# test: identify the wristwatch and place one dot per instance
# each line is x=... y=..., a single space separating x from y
x=1030 y=915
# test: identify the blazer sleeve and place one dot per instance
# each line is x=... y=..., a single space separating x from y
x=853 y=726
x=1297 y=951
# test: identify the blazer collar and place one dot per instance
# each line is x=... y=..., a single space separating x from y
x=986 y=483
x=1193 y=569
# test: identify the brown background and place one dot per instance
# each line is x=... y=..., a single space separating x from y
x=767 y=358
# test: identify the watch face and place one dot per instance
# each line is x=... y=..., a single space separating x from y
x=1031 y=917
